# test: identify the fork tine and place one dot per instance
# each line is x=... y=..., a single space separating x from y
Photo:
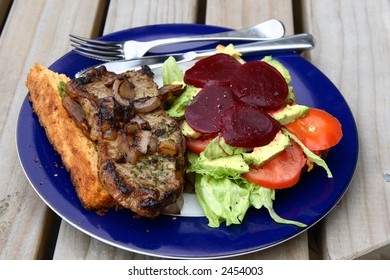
x=93 y=46
x=97 y=56
x=82 y=40
x=97 y=49
x=99 y=52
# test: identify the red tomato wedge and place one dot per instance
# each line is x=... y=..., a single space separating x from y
x=281 y=172
x=318 y=130
x=197 y=145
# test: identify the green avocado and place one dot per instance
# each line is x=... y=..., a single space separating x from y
x=290 y=113
x=188 y=131
x=230 y=164
x=219 y=148
x=279 y=66
x=262 y=154
x=178 y=107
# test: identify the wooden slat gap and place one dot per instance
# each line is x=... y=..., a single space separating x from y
x=314 y=236
x=100 y=18
x=49 y=236
x=5 y=7
x=297 y=16
x=201 y=12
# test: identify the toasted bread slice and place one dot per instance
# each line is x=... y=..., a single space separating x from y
x=79 y=154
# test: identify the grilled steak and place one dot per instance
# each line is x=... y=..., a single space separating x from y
x=140 y=148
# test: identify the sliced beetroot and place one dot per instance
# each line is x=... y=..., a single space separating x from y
x=248 y=127
x=204 y=114
x=259 y=84
x=213 y=70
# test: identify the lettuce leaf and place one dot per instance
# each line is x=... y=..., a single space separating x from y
x=222 y=200
x=219 y=148
x=261 y=196
x=171 y=72
x=310 y=155
x=227 y=200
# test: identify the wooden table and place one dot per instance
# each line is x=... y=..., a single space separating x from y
x=352 y=50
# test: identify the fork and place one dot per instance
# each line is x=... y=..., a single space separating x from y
x=108 y=51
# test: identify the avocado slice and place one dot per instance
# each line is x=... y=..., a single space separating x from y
x=188 y=131
x=290 y=113
x=231 y=166
x=263 y=154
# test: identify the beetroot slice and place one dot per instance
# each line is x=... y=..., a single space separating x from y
x=212 y=70
x=248 y=127
x=204 y=114
x=259 y=84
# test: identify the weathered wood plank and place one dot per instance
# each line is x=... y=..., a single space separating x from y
x=124 y=14
x=48 y=23
x=4 y=8
x=353 y=51
x=239 y=14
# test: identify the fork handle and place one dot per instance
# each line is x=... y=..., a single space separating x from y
x=270 y=29
x=298 y=42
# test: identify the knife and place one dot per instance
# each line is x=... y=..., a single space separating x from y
x=299 y=42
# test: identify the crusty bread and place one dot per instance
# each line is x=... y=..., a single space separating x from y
x=78 y=153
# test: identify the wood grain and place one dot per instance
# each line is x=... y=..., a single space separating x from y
x=35 y=31
x=4 y=8
x=245 y=13
x=123 y=14
x=353 y=51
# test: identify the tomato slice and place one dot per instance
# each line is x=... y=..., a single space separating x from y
x=318 y=130
x=198 y=145
x=281 y=172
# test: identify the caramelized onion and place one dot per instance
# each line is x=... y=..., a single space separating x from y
x=153 y=144
x=167 y=147
x=146 y=105
x=124 y=147
x=110 y=134
x=143 y=141
x=115 y=89
x=126 y=89
x=77 y=113
x=174 y=208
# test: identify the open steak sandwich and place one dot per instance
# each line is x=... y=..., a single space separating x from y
x=115 y=139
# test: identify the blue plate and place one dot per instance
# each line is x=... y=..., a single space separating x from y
x=190 y=237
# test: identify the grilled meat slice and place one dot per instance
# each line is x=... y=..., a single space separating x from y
x=143 y=168
x=140 y=148
x=100 y=101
